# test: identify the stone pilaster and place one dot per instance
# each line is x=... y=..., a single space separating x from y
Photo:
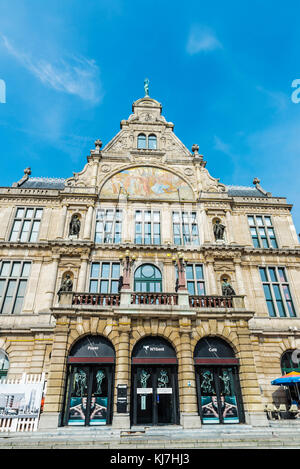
x=62 y=222
x=88 y=223
x=122 y=374
x=189 y=417
x=252 y=399
x=57 y=376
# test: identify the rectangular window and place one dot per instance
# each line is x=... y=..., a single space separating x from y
x=262 y=231
x=13 y=282
x=26 y=225
x=108 y=226
x=277 y=291
x=104 y=277
x=194 y=279
x=147 y=227
x=185 y=228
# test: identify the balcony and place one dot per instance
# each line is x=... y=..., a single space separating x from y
x=128 y=298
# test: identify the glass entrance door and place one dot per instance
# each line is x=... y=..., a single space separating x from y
x=154 y=395
x=89 y=395
x=219 y=396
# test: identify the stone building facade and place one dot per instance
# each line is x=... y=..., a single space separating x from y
x=148 y=291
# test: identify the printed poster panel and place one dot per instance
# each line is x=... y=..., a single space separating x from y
x=210 y=410
x=78 y=409
x=20 y=400
x=229 y=409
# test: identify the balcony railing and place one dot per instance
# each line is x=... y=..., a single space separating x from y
x=197 y=301
x=154 y=298
x=96 y=299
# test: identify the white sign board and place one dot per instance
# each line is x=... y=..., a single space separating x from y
x=20 y=400
x=144 y=390
x=164 y=390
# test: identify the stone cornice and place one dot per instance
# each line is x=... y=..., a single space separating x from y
x=231 y=250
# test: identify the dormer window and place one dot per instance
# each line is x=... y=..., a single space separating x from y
x=141 y=141
x=152 y=142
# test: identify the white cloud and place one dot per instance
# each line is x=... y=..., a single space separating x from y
x=202 y=39
x=77 y=76
x=219 y=145
x=276 y=99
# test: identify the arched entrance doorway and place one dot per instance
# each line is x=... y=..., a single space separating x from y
x=89 y=390
x=154 y=396
x=217 y=378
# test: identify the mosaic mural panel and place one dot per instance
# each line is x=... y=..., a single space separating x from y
x=148 y=182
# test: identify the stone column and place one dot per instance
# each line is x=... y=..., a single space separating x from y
x=206 y=229
x=62 y=222
x=82 y=277
x=88 y=223
x=56 y=378
x=212 y=284
x=122 y=374
x=189 y=417
x=52 y=276
x=229 y=229
x=239 y=277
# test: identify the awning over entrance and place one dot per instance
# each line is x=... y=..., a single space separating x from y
x=214 y=351
x=153 y=350
x=92 y=349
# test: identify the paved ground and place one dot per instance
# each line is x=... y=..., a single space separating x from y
x=276 y=436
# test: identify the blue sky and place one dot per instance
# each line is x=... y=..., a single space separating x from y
x=223 y=72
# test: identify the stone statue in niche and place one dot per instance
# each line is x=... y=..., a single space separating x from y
x=66 y=285
x=219 y=230
x=74 y=226
x=227 y=289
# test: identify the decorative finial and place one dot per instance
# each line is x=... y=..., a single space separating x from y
x=98 y=145
x=256 y=181
x=195 y=149
x=27 y=171
x=146 y=86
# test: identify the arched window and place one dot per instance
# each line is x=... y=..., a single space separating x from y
x=152 y=142
x=290 y=361
x=4 y=364
x=141 y=142
x=147 y=278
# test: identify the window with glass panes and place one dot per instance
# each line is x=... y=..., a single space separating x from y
x=185 y=228
x=277 y=291
x=194 y=279
x=13 y=282
x=104 y=277
x=147 y=227
x=26 y=224
x=108 y=226
x=262 y=231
